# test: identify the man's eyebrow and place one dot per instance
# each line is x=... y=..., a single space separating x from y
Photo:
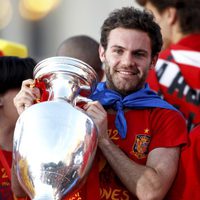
x=140 y=50
x=117 y=46
x=133 y=51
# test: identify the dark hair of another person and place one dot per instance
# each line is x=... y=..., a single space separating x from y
x=188 y=12
x=14 y=70
x=131 y=18
x=83 y=48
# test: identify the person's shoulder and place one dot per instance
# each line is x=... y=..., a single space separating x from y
x=195 y=132
x=164 y=54
x=159 y=114
x=172 y=111
x=170 y=120
x=168 y=114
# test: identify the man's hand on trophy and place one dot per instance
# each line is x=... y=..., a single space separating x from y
x=98 y=114
x=26 y=96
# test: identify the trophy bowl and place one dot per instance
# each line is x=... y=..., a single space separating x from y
x=55 y=141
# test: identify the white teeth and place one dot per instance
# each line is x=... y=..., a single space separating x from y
x=126 y=73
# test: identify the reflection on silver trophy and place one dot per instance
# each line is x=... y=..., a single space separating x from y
x=55 y=141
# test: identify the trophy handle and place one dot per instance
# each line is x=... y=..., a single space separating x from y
x=43 y=90
x=81 y=101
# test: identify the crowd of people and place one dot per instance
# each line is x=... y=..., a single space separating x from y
x=146 y=108
x=176 y=79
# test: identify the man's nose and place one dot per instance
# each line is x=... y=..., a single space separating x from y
x=127 y=59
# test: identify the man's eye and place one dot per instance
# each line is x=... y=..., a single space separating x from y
x=118 y=51
x=139 y=54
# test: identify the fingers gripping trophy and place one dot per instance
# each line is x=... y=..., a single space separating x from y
x=55 y=140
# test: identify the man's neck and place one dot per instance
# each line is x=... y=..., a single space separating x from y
x=177 y=34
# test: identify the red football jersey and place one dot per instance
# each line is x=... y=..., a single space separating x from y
x=177 y=77
x=5 y=182
x=187 y=183
x=147 y=129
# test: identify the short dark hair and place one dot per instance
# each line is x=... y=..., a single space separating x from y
x=13 y=70
x=188 y=12
x=131 y=18
x=84 y=48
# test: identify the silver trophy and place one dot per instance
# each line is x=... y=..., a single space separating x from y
x=55 y=141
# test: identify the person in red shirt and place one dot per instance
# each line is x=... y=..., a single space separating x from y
x=176 y=74
x=187 y=182
x=13 y=71
x=139 y=134
x=176 y=78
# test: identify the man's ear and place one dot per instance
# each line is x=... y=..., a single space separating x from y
x=171 y=15
x=1 y=100
x=101 y=53
x=153 y=61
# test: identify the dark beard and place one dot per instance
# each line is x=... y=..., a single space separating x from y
x=111 y=85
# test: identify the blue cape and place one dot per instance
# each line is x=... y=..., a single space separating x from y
x=143 y=98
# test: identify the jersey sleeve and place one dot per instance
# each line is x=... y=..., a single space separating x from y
x=169 y=129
